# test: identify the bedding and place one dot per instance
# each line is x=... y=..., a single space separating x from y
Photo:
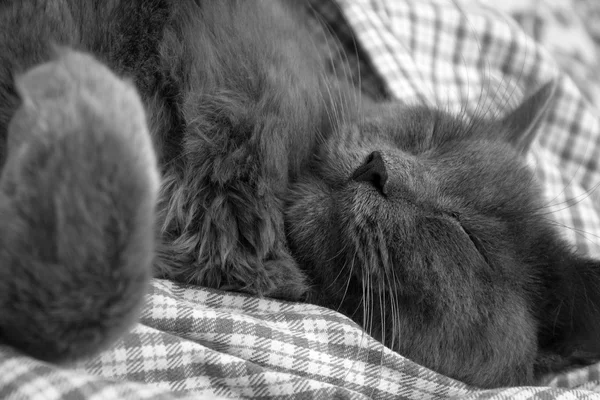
x=468 y=55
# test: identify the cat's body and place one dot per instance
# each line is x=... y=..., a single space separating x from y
x=437 y=218
x=205 y=96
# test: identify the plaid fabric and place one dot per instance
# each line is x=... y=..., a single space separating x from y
x=196 y=342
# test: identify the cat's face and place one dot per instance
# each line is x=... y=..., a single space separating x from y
x=416 y=188
x=425 y=228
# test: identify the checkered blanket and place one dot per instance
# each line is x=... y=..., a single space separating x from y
x=198 y=343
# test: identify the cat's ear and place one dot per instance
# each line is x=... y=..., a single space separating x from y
x=572 y=319
x=521 y=124
x=584 y=317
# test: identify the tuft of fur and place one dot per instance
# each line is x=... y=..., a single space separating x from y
x=77 y=196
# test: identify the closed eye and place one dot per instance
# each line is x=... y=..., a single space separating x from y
x=474 y=239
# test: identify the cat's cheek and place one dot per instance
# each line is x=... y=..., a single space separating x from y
x=309 y=219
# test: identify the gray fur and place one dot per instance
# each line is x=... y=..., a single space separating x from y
x=77 y=197
x=277 y=180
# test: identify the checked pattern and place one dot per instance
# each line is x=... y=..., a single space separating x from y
x=196 y=343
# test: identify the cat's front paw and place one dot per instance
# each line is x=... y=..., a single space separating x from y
x=278 y=277
x=221 y=243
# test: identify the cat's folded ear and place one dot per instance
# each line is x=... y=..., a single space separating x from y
x=572 y=321
x=521 y=124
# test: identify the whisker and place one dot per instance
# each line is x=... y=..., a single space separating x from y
x=351 y=272
x=330 y=105
x=573 y=174
x=394 y=305
x=580 y=232
x=465 y=21
x=569 y=202
x=343 y=101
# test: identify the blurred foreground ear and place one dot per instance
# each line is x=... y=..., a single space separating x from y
x=521 y=124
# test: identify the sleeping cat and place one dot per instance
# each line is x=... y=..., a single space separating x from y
x=437 y=244
x=278 y=179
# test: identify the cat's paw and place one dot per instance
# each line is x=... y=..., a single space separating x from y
x=77 y=198
x=278 y=277
x=224 y=241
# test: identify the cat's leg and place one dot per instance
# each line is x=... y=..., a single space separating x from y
x=77 y=201
x=228 y=236
x=221 y=210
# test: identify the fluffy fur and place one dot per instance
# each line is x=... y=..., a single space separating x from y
x=77 y=196
x=277 y=180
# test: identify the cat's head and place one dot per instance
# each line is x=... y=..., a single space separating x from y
x=428 y=230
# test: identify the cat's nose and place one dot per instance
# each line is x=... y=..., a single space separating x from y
x=372 y=171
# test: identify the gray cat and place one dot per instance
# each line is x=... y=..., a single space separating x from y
x=277 y=180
